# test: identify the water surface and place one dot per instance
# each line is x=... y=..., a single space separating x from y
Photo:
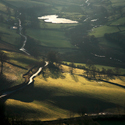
x=55 y=19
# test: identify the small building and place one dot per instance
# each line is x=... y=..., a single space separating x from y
x=13 y=28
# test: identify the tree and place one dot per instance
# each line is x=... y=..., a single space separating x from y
x=8 y=11
x=53 y=57
x=87 y=72
x=89 y=66
x=3 y=58
x=103 y=72
x=93 y=71
x=72 y=65
x=109 y=73
x=98 y=71
x=117 y=71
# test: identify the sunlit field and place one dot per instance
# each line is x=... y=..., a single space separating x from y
x=53 y=97
x=13 y=76
x=17 y=65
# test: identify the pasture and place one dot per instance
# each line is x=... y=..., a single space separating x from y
x=50 y=38
x=58 y=96
x=100 y=31
x=8 y=35
x=118 y=2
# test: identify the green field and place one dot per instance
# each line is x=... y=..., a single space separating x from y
x=8 y=35
x=21 y=3
x=30 y=3
x=50 y=38
x=119 y=21
x=100 y=31
x=2 y=7
x=118 y=2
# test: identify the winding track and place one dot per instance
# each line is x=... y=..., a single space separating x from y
x=31 y=79
x=25 y=38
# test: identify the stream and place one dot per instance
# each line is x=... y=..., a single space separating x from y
x=25 y=38
x=31 y=79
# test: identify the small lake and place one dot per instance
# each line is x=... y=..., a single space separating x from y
x=55 y=19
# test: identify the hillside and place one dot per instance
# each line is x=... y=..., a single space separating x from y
x=89 y=54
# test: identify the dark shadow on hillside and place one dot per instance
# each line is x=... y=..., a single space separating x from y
x=74 y=77
x=4 y=83
x=76 y=103
x=3 y=119
x=68 y=102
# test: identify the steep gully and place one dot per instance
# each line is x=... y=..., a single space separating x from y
x=5 y=94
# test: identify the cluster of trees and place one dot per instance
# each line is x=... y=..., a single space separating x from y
x=79 y=37
x=6 y=16
x=116 y=38
x=91 y=71
x=2 y=16
x=54 y=60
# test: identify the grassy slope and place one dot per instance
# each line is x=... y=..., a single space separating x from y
x=13 y=75
x=21 y=59
x=8 y=35
x=21 y=63
x=100 y=31
x=119 y=21
x=54 y=98
x=41 y=2
x=118 y=2
x=2 y=7
x=21 y=3
x=50 y=38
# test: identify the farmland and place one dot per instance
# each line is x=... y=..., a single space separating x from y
x=91 y=64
